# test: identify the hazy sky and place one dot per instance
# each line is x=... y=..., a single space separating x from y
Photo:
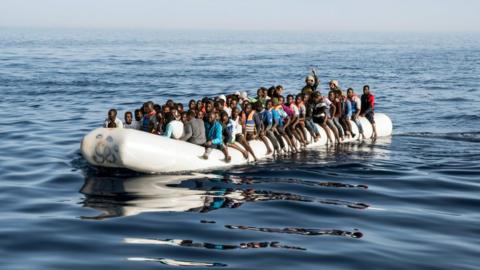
x=316 y=15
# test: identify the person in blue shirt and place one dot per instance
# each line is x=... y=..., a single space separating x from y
x=346 y=116
x=214 y=134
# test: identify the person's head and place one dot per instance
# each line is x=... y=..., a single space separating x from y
x=248 y=108
x=235 y=113
x=299 y=99
x=257 y=106
x=366 y=90
x=290 y=99
x=190 y=115
x=148 y=107
x=310 y=80
x=179 y=107
x=271 y=91
x=210 y=106
x=316 y=97
x=184 y=117
x=233 y=103
x=192 y=105
x=200 y=105
x=333 y=84
x=218 y=105
x=281 y=100
x=166 y=109
x=228 y=101
x=269 y=104
x=138 y=114
x=223 y=117
x=331 y=95
x=176 y=114
x=211 y=117
x=275 y=101
x=128 y=117
x=112 y=115
x=200 y=115
x=170 y=103
x=279 y=90
x=169 y=117
x=306 y=98
x=350 y=92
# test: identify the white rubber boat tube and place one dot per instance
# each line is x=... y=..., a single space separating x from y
x=147 y=153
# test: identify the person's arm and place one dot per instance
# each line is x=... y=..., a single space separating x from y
x=333 y=110
x=168 y=130
x=218 y=134
x=317 y=81
x=285 y=126
x=187 y=132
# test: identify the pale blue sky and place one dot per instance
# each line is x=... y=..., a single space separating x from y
x=305 y=15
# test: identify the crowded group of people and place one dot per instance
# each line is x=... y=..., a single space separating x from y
x=277 y=119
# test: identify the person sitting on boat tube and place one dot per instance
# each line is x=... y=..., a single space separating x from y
x=368 y=105
x=173 y=128
x=213 y=132
x=112 y=120
x=194 y=130
x=356 y=108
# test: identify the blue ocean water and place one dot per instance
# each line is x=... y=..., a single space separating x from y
x=406 y=202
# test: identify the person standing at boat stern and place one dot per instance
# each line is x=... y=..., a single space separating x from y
x=367 y=108
x=214 y=135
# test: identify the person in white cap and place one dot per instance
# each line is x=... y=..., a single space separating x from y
x=311 y=83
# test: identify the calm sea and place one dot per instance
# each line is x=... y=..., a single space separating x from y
x=406 y=202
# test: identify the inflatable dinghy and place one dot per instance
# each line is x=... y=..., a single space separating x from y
x=148 y=153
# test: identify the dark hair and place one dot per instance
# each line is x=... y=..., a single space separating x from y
x=191 y=113
x=179 y=105
x=271 y=91
x=350 y=89
x=257 y=106
x=223 y=113
x=112 y=110
x=316 y=94
x=366 y=86
x=169 y=117
x=127 y=113
x=137 y=111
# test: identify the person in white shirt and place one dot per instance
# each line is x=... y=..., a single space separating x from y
x=112 y=121
x=174 y=127
x=129 y=121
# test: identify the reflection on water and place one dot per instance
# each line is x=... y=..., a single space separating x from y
x=192 y=244
x=173 y=262
x=116 y=197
